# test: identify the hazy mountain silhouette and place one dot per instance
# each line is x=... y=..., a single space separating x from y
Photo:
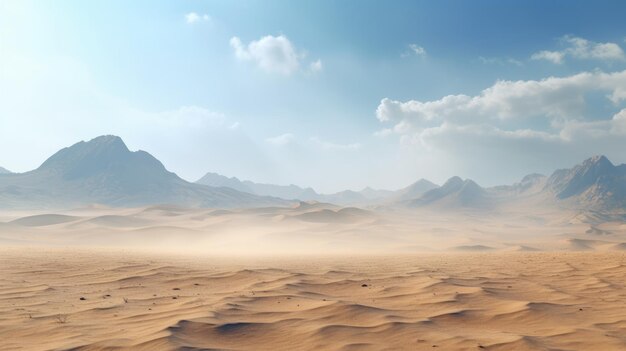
x=531 y=184
x=455 y=192
x=283 y=191
x=104 y=171
x=345 y=197
x=596 y=183
x=414 y=190
x=218 y=180
x=4 y=170
x=288 y=192
x=293 y=192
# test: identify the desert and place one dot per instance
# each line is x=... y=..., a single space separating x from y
x=341 y=175
x=454 y=267
x=176 y=278
x=68 y=299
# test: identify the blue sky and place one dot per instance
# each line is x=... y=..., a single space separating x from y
x=332 y=95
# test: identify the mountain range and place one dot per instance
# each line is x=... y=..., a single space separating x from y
x=104 y=171
x=4 y=170
x=294 y=192
x=595 y=184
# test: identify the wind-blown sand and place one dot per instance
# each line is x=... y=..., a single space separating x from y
x=463 y=301
x=313 y=228
x=171 y=278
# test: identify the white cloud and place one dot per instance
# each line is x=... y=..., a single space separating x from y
x=270 y=53
x=327 y=145
x=316 y=66
x=552 y=56
x=417 y=50
x=193 y=17
x=585 y=49
x=580 y=48
x=546 y=119
x=414 y=49
x=281 y=140
x=618 y=125
x=553 y=98
x=500 y=61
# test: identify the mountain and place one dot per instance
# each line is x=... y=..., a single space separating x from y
x=218 y=180
x=293 y=192
x=104 y=171
x=282 y=191
x=4 y=171
x=596 y=183
x=413 y=191
x=455 y=192
x=288 y=192
x=529 y=185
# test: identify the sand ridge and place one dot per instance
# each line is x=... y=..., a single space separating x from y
x=103 y=300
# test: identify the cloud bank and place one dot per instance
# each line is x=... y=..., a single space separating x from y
x=581 y=49
x=520 y=120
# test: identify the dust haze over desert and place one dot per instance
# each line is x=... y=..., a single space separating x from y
x=289 y=176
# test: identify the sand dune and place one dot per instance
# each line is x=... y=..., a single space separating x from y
x=462 y=281
x=97 y=300
x=309 y=228
x=476 y=248
x=44 y=220
x=344 y=215
x=522 y=248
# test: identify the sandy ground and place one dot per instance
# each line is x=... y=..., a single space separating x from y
x=313 y=228
x=52 y=299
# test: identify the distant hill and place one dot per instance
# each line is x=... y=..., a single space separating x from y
x=288 y=192
x=455 y=192
x=218 y=180
x=531 y=184
x=596 y=183
x=104 y=171
x=291 y=192
x=413 y=191
x=4 y=170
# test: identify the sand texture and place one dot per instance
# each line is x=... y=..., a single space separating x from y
x=57 y=299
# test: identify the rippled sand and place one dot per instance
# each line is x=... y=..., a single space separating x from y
x=94 y=300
